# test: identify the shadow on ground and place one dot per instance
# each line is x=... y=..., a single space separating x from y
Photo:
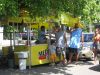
x=82 y=62
x=45 y=69
x=95 y=68
x=37 y=70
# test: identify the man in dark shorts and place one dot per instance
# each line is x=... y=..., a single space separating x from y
x=75 y=42
x=73 y=50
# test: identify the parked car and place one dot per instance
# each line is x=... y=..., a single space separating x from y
x=86 y=51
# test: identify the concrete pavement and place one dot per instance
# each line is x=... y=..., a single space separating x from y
x=82 y=68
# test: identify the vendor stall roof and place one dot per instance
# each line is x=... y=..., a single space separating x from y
x=38 y=25
x=20 y=19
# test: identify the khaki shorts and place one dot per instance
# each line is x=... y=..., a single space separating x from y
x=53 y=56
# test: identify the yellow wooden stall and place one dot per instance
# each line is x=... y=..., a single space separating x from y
x=38 y=54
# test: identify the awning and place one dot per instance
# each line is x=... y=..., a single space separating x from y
x=20 y=19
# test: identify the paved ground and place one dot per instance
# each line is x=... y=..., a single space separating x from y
x=82 y=68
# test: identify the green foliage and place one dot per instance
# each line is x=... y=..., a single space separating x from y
x=87 y=9
x=8 y=8
x=8 y=31
x=91 y=11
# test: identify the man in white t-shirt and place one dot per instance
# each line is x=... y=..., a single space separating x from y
x=61 y=42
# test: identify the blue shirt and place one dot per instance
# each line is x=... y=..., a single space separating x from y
x=75 y=38
x=42 y=37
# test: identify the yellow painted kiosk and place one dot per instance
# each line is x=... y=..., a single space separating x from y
x=37 y=53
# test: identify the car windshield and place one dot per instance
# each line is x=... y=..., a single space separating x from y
x=88 y=37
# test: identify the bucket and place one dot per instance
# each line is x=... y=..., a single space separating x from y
x=22 y=64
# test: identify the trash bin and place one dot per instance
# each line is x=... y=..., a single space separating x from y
x=11 y=63
x=22 y=60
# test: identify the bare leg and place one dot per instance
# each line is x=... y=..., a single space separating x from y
x=70 y=57
x=94 y=50
x=76 y=56
x=60 y=55
x=94 y=55
x=64 y=57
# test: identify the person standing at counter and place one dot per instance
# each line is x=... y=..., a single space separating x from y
x=42 y=37
x=75 y=42
x=61 y=42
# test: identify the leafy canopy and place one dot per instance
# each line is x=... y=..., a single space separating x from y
x=88 y=10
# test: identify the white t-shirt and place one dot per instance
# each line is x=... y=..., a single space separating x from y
x=60 y=39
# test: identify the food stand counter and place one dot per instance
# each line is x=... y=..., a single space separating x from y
x=39 y=54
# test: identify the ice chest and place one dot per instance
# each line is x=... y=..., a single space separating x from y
x=23 y=55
